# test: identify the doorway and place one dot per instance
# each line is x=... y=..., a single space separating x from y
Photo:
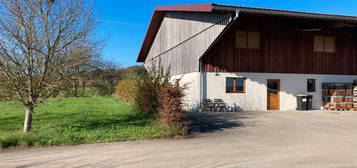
x=273 y=94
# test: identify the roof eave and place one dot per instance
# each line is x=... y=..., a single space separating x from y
x=187 y=8
x=154 y=25
x=295 y=14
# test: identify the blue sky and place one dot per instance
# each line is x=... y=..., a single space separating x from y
x=124 y=22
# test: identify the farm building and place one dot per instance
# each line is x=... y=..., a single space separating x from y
x=251 y=58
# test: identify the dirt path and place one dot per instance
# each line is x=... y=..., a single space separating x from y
x=232 y=140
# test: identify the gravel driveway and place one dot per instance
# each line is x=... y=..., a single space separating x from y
x=230 y=140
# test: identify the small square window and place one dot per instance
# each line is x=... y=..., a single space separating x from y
x=254 y=40
x=318 y=44
x=311 y=85
x=324 y=44
x=241 y=40
x=230 y=85
x=235 y=85
x=329 y=44
x=247 y=40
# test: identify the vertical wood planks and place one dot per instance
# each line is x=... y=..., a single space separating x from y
x=283 y=50
x=183 y=38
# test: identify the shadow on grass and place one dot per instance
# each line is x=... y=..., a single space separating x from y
x=205 y=122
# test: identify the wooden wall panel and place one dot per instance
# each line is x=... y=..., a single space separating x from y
x=183 y=38
x=284 y=49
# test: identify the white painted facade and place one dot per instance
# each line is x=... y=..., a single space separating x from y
x=192 y=98
x=213 y=86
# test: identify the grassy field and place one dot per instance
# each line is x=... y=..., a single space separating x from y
x=69 y=121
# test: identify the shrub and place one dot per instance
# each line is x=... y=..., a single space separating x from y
x=170 y=99
x=148 y=87
x=125 y=90
x=171 y=112
x=157 y=97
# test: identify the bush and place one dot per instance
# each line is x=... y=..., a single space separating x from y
x=157 y=97
x=125 y=91
x=148 y=88
x=170 y=99
x=171 y=112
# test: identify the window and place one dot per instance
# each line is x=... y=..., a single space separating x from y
x=235 y=85
x=324 y=44
x=249 y=40
x=311 y=85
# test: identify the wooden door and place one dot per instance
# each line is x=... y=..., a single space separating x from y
x=273 y=92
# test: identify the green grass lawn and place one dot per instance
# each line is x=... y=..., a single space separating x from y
x=69 y=121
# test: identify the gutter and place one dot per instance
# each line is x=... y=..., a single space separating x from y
x=250 y=10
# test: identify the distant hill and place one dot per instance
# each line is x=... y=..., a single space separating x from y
x=133 y=71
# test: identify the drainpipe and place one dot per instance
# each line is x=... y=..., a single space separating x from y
x=202 y=80
x=203 y=75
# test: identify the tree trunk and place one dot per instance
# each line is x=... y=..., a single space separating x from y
x=28 y=119
x=83 y=88
x=75 y=88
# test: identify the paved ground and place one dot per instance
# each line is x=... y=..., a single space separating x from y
x=229 y=140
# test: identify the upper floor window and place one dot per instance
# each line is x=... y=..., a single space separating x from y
x=246 y=39
x=324 y=44
x=235 y=85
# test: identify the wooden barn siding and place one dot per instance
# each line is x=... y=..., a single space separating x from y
x=176 y=28
x=282 y=51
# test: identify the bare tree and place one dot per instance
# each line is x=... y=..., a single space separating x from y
x=106 y=76
x=79 y=73
x=37 y=42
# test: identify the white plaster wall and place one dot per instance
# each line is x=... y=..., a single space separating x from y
x=192 y=95
x=255 y=98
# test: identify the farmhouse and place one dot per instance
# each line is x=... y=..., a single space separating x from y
x=251 y=58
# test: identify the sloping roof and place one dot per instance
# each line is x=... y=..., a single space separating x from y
x=159 y=12
x=156 y=20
